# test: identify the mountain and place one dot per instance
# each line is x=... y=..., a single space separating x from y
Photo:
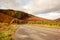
x=57 y=19
x=21 y=16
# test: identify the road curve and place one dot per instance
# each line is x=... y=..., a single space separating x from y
x=27 y=32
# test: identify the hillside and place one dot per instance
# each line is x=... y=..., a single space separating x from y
x=9 y=15
x=9 y=19
x=14 y=13
x=57 y=19
x=5 y=18
x=22 y=17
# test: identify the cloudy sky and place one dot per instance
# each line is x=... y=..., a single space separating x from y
x=49 y=9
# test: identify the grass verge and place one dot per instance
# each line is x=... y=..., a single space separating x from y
x=45 y=25
x=7 y=31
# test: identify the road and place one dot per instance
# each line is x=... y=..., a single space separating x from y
x=27 y=32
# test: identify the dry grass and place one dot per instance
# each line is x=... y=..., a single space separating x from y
x=46 y=26
x=50 y=24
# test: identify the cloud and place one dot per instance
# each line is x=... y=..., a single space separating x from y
x=43 y=6
x=51 y=15
x=11 y=4
x=32 y=6
x=49 y=9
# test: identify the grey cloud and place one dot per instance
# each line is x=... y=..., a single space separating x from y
x=36 y=6
x=10 y=4
x=43 y=6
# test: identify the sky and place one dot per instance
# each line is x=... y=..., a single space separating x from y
x=49 y=9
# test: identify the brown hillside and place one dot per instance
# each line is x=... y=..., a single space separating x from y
x=14 y=13
x=57 y=19
x=34 y=18
x=5 y=18
x=22 y=15
x=25 y=17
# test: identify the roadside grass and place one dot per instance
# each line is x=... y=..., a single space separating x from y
x=45 y=24
x=7 y=31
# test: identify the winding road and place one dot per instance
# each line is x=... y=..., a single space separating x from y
x=28 y=32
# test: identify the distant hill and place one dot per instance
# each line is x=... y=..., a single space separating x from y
x=35 y=18
x=57 y=19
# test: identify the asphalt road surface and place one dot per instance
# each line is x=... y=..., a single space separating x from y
x=27 y=32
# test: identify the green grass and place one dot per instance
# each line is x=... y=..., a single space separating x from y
x=7 y=31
